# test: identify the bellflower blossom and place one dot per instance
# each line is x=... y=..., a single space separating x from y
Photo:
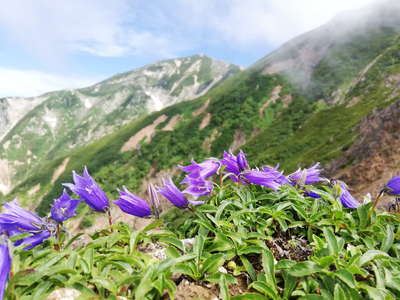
x=262 y=178
x=197 y=185
x=312 y=195
x=393 y=186
x=204 y=169
x=235 y=164
x=154 y=200
x=64 y=207
x=132 y=204
x=174 y=195
x=87 y=188
x=5 y=264
x=346 y=198
x=279 y=177
x=307 y=176
x=17 y=220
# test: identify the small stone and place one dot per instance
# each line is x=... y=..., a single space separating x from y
x=64 y=294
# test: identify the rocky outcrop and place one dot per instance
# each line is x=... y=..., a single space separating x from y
x=375 y=156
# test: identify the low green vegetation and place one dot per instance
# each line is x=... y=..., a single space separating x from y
x=272 y=245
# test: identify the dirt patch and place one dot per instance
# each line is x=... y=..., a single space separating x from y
x=189 y=290
x=60 y=169
x=172 y=122
x=353 y=101
x=274 y=96
x=145 y=134
x=287 y=100
x=239 y=139
x=202 y=109
x=34 y=190
x=206 y=120
x=207 y=143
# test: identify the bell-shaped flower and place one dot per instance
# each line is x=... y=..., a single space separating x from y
x=307 y=176
x=205 y=169
x=132 y=204
x=174 y=195
x=393 y=186
x=18 y=220
x=197 y=186
x=279 y=177
x=64 y=207
x=235 y=164
x=154 y=200
x=346 y=198
x=87 y=188
x=5 y=264
x=262 y=178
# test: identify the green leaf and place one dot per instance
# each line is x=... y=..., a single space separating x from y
x=223 y=288
x=371 y=255
x=264 y=288
x=212 y=263
x=304 y=269
x=388 y=239
x=332 y=242
x=198 y=247
x=105 y=283
x=339 y=294
x=346 y=277
x=249 y=268
x=362 y=212
x=268 y=263
x=73 y=239
x=312 y=297
x=249 y=296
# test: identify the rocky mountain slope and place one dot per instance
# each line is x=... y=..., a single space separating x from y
x=349 y=123
x=39 y=129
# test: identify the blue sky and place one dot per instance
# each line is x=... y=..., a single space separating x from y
x=48 y=45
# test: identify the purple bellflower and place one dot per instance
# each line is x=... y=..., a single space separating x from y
x=393 y=186
x=5 y=264
x=346 y=198
x=174 y=195
x=132 y=204
x=204 y=169
x=262 y=178
x=235 y=164
x=154 y=200
x=197 y=185
x=17 y=221
x=87 y=188
x=312 y=195
x=280 y=178
x=64 y=208
x=307 y=176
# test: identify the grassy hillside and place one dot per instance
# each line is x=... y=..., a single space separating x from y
x=233 y=107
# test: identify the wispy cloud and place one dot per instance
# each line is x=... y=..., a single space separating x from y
x=33 y=83
x=99 y=27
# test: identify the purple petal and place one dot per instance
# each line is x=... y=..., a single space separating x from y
x=132 y=204
x=394 y=185
x=262 y=178
x=35 y=239
x=64 y=208
x=173 y=194
x=5 y=265
x=347 y=199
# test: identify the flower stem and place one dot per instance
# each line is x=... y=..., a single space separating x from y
x=376 y=201
x=110 y=223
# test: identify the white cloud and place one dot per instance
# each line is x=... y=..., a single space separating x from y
x=54 y=28
x=262 y=22
x=33 y=83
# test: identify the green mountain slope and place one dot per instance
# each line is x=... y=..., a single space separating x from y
x=51 y=125
x=268 y=115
